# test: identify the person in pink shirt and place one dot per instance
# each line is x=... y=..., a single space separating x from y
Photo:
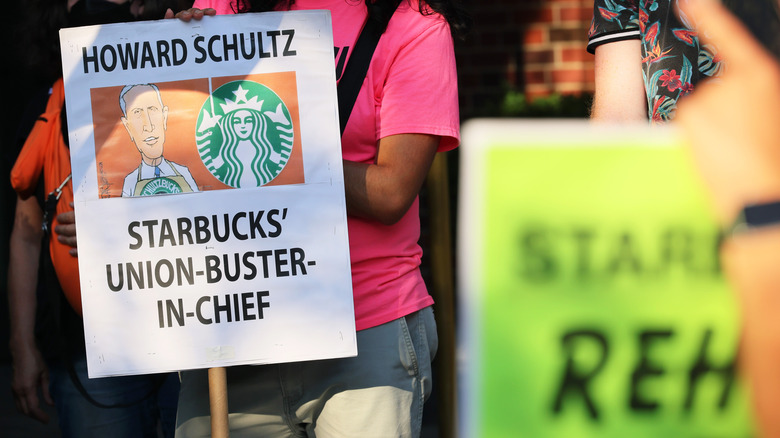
x=406 y=111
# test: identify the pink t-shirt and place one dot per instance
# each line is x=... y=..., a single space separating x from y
x=411 y=87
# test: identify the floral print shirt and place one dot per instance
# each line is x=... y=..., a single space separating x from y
x=673 y=61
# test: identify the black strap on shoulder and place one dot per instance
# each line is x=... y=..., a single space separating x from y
x=64 y=125
x=356 y=69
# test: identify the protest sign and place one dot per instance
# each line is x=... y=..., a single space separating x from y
x=592 y=302
x=209 y=192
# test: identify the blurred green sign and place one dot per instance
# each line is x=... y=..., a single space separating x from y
x=591 y=295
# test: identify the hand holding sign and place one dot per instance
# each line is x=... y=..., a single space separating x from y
x=66 y=230
x=191 y=13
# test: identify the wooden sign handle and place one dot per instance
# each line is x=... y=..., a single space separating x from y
x=218 y=403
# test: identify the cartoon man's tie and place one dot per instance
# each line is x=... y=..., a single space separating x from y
x=156 y=171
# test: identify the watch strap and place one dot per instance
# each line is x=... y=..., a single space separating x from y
x=755 y=216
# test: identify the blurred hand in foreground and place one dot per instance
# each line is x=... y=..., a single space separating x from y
x=733 y=123
x=733 y=127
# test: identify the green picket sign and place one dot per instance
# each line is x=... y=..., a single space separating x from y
x=594 y=303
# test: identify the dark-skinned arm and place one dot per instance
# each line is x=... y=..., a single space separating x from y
x=385 y=190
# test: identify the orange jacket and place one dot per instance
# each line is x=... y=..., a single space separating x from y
x=45 y=152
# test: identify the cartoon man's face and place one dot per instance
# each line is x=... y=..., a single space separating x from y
x=146 y=120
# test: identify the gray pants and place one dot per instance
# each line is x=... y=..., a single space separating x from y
x=379 y=393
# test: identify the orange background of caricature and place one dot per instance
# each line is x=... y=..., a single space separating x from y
x=117 y=156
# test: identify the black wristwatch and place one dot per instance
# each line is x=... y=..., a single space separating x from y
x=756 y=216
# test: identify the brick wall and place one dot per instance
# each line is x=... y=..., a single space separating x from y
x=532 y=46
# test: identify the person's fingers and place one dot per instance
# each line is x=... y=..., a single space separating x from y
x=27 y=403
x=185 y=15
x=719 y=27
x=66 y=229
x=39 y=414
x=21 y=404
x=64 y=238
x=169 y=14
x=195 y=14
x=67 y=218
x=45 y=389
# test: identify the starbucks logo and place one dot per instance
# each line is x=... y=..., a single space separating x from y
x=160 y=186
x=244 y=134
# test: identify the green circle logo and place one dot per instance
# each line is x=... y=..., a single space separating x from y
x=244 y=134
x=160 y=186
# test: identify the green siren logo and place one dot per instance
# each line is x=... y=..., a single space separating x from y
x=244 y=134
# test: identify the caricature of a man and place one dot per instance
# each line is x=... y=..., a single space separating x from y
x=146 y=120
